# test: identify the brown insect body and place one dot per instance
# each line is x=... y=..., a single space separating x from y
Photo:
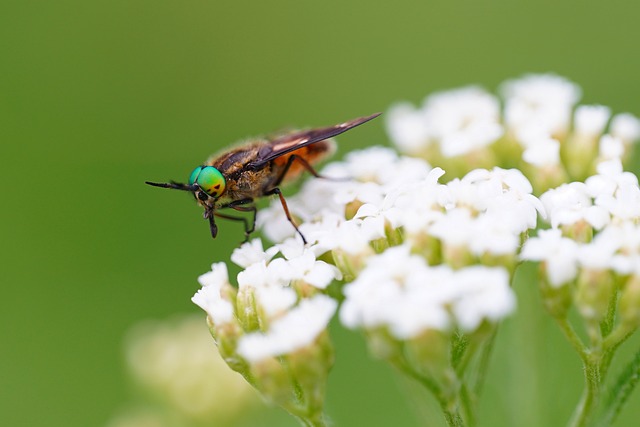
x=237 y=177
x=243 y=182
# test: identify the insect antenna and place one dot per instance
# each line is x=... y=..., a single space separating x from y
x=174 y=185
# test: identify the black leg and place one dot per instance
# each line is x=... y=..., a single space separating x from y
x=237 y=218
x=240 y=206
x=252 y=209
x=283 y=202
x=212 y=226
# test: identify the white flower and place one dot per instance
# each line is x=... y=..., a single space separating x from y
x=251 y=252
x=494 y=236
x=416 y=205
x=399 y=291
x=519 y=212
x=407 y=128
x=456 y=228
x=610 y=177
x=557 y=252
x=542 y=151
x=275 y=300
x=319 y=274
x=463 y=120
x=260 y=274
x=484 y=185
x=626 y=238
x=367 y=165
x=541 y=101
x=571 y=203
x=624 y=205
x=209 y=297
x=273 y=223
x=598 y=254
x=483 y=293
x=626 y=127
x=459 y=121
x=295 y=330
x=610 y=147
x=380 y=295
x=174 y=360
x=350 y=236
x=591 y=119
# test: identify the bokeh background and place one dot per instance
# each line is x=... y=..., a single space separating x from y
x=98 y=96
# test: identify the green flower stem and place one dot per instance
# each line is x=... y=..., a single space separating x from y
x=483 y=365
x=312 y=422
x=468 y=401
x=449 y=402
x=617 y=337
x=621 y=391
x=573 y=337
x=465 y=358
x=591 y=394
x=453 y=418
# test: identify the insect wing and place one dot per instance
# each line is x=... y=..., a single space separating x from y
x=291 y=142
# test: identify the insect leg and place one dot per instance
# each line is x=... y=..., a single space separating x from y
x=247 y=231
x=212 y=225
x=254 y=210
x=241 y=206
x=283 y=202
x=303 y=162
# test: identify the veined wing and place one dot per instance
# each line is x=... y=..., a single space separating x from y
x=291 y=142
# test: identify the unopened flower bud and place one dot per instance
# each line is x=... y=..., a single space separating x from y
x=594 y=290
x=630 y=303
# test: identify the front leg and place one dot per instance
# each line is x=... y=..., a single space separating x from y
x=244 y=205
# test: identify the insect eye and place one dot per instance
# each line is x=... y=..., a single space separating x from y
x=211 y=181
x=194 y=175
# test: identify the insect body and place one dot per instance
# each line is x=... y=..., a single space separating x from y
x=237 y=177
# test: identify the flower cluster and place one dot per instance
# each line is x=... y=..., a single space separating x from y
x=541 y=130
x=172 y=362
x=593 y=247
x=422 y=263
x=272 y=327
x=424 y=267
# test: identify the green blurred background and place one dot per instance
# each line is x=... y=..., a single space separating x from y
x=98 y=96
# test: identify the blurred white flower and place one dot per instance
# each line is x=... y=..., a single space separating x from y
x=176 y=360
x=458 y=121
x=626 y=127
x=540 y=101
x=571 y=203
x=558 y=253
x=463 y=120
x=591 y=119
x=610 y=148
x=541 y=151
x=407 y=128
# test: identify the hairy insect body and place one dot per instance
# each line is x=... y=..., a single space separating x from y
x=235 y=178
x=244 y=182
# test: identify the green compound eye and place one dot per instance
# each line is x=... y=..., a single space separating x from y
x=194 y=175
x=211 y=181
